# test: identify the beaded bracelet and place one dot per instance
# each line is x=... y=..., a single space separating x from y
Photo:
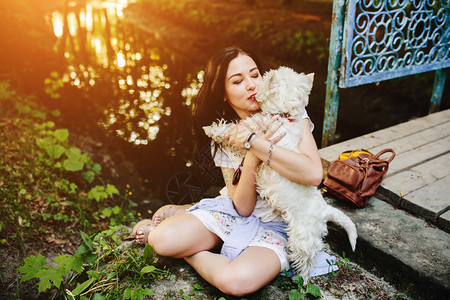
x=270 y=153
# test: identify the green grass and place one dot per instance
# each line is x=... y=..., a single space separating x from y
x=50 y=187
x=102 y=267
x=47 y=185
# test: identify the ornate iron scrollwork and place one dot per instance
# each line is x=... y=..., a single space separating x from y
x=385 y=39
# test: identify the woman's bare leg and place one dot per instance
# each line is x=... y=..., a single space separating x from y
x=169 y=210
x=144 y=227
x=182 y=235
x=185 y=236
x=254 y=268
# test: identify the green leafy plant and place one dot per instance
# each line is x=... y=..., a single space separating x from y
x=342 y=271
x=136 y=293
x=196 y=288
x=5 y=90
x=52 y=84
x=46 y=181
x=55 y=144
x=100 y=268
x=340 y=264
x=298 y=293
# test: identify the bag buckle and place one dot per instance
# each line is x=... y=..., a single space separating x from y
x=362 y=161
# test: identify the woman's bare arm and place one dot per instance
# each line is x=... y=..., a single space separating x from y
x=243 y=193
x=304 y=167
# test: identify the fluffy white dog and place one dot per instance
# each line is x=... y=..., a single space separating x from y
x=285 y=92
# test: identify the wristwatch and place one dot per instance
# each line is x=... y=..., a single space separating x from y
x=247 y=143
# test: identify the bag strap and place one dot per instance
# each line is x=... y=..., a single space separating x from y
x=384 y=151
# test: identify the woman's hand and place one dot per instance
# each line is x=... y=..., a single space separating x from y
x=239 y=133
x=268 y=128
x=303 y=166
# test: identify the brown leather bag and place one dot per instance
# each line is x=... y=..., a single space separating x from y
x=356 y=179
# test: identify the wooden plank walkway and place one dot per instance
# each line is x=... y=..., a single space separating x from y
x=418 y=179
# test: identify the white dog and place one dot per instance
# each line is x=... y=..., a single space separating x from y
x=285 y=92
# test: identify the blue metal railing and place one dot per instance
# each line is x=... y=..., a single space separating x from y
x=375 y=40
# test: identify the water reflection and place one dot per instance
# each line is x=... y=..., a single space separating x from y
x=138 y=88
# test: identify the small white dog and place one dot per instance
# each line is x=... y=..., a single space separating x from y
x=285 y=92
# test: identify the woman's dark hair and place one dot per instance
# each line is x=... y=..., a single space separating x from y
x=209 y=103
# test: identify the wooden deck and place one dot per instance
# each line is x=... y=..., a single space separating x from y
x=418 y=179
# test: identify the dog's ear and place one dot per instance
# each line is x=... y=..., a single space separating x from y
x=302 y=89
x=308 y=80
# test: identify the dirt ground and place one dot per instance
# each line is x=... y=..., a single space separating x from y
x=350 y=282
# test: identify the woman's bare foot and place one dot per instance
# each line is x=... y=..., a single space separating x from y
x=169 y=210
x=144 y=227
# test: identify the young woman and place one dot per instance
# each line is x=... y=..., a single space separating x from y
x=250 y=232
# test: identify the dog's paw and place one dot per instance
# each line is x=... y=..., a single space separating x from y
x=217 y=130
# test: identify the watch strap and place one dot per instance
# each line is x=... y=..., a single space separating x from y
x=247 y=143
x=250 y=136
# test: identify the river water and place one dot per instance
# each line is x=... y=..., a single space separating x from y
x=143 y=90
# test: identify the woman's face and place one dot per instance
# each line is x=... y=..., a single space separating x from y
x=241 y=84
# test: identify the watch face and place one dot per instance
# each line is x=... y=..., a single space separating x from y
x=247 y=145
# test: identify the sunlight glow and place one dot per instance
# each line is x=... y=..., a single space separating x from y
x=153 y=132
x=73 y=27
x=57 y=24
x=114 y=42
x=121 y=60
x=142 y=93
x=89 y=19
x=129 y=80
x=112 y=119
x=133 y=136
x=97 y=43
x=142 y=84
x=82 y=18
x=192 y=90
